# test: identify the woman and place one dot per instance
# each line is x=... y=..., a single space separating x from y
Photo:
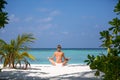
x=58 y=55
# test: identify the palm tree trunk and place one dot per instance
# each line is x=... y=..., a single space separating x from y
x=13 y=61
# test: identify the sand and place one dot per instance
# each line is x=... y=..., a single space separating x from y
x=49 y=72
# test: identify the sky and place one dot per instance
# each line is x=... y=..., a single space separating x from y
x=71 y=23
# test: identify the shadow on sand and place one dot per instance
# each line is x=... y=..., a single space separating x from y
x=23 y=75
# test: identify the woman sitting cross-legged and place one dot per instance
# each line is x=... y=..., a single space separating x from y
x=58 y=55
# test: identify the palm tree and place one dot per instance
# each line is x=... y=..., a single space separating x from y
x=22 y=57
x=109 y=64
x=3 y=19
x=107 y=39
x=3 y=52
x=116 y=26
x=3 y=15
x=11 y=52
x=117 y=8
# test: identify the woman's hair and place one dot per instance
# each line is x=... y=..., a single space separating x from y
x=59 y=46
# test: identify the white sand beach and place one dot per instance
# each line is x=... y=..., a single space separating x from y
x=49 y=72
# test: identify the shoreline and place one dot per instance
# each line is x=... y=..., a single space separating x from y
x=51 y=64
x=66 y=65
x=49 y=72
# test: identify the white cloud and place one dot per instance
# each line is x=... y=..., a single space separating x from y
x=50 y=12
x=29 y=19
x=52 y=33
x=44 y=27
x=13 y=18
x=98 y=26
x=3 y=31
x=65 y=33
x=47 y=26
x=83 y=34
x=87 y=17
x=48 y=19
x=54 y=13
x=43 y=10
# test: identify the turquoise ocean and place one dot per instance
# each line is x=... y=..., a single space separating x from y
x=77 y=55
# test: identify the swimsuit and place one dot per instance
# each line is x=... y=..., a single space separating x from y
x=59 y=64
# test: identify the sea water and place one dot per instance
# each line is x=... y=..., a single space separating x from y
x=77 y=55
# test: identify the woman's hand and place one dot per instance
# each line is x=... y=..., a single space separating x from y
x=50 y=58
x=67 y=59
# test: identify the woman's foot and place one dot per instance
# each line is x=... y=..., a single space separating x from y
x=67 y=59
x=51 y=60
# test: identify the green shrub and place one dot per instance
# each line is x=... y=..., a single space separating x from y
x=108 y=64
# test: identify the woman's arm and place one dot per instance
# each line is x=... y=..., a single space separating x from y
x=53 y=56
x=64 y=56
x=65 y=59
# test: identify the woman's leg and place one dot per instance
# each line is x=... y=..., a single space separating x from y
x=65 y=61
x=52 y=61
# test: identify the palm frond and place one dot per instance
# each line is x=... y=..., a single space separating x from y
x=2 y=42
x=24 y=39
x=2 y=55
x=6 y=62
x=25 y=54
